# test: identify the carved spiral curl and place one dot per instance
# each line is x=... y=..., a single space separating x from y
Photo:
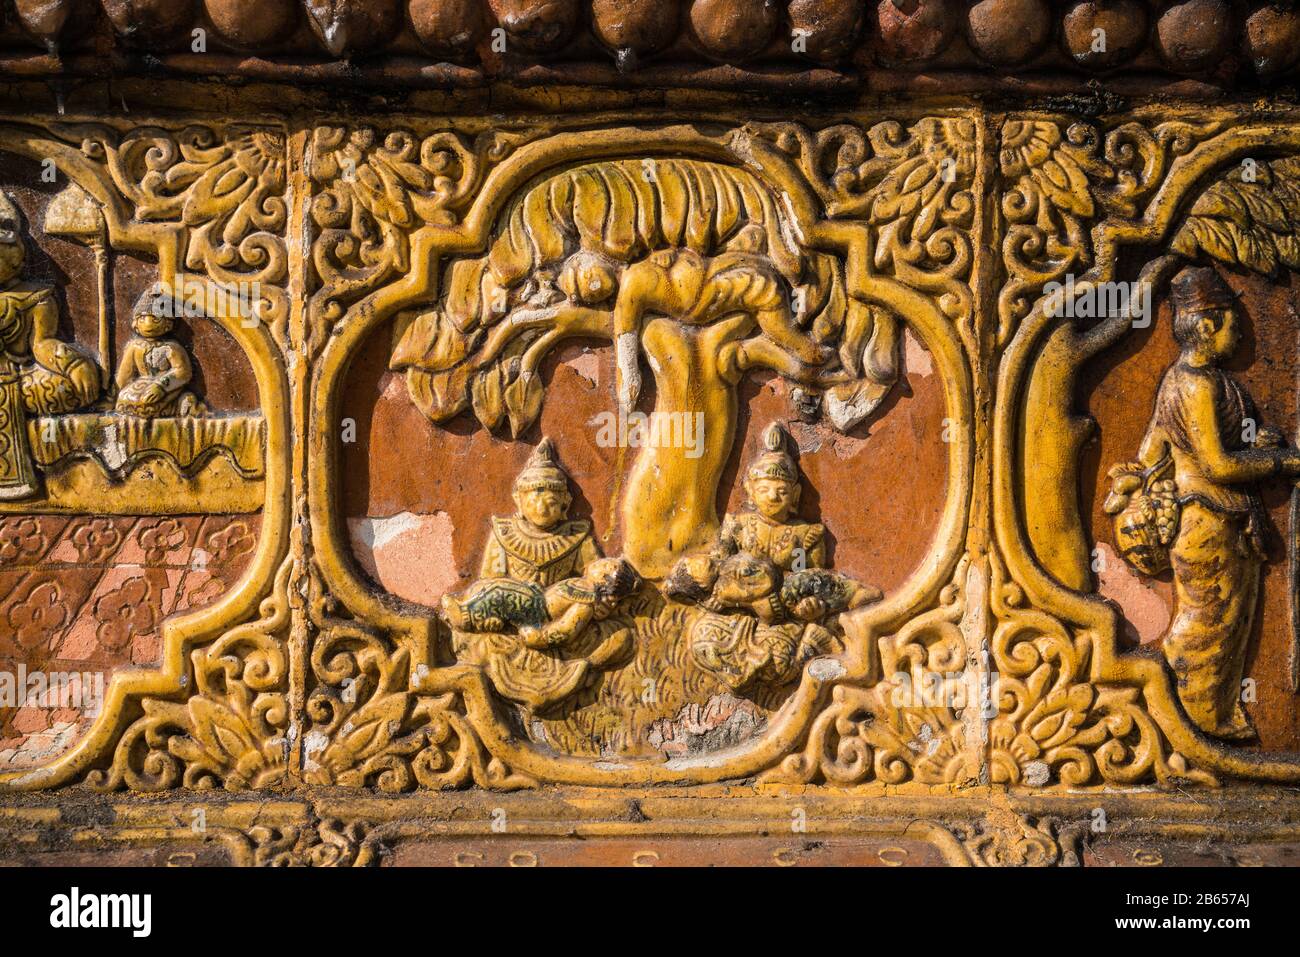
x=227 y=190
x=365 y=725
x=1050 y=714
x=868 y=733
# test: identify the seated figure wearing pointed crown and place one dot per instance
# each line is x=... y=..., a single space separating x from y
x=40 y=374
x=540 y=619
x=767 y=600
x=773 y=488
x=540 y=543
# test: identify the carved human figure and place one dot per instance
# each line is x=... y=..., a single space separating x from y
x=540 y=543
x=39 y=373
x=536 y=619
x=748 y=632
x=155 y=368
x=773 y=489
x=1208 y=526
x=764 y=592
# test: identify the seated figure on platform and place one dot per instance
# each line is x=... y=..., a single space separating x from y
x=40 y=374
x=155 y=368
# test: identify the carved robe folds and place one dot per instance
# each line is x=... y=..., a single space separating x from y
x=1216 y=554
x=39 y=375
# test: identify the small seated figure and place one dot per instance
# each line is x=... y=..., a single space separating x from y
x=155 y=368
x=543 y=618
x=773 y=489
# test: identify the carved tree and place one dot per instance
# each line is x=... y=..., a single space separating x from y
x=689 y=264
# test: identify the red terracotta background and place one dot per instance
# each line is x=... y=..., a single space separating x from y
x=879 y=490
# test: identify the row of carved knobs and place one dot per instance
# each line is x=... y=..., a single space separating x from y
x=1191 y=36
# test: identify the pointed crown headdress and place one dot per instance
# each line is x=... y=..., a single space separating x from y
x=542 y=471
x=775 y=462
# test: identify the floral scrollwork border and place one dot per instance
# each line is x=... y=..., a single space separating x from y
x=379 y=647
x=1082 y=197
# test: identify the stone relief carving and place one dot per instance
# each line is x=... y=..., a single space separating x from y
x=692 y=264
x=39 y=374
x=1160 y=225
x=665 y=642
x=1197 y=510
x=188 y=491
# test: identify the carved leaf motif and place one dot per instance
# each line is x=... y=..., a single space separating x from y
x=226 y=187
x=429 y=341
x=442 y=396
x=231 y=732
x=372 y=191
x=373 y=726
x=374 y=729
x=1247 y=223
x=859 y=327
x=523 y=398
x=487 y=396
x=1080 y=730
x=1058 y=176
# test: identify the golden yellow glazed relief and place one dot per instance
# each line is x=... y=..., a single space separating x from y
x=657 y=637
x=145 y=478
x=676 y=451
